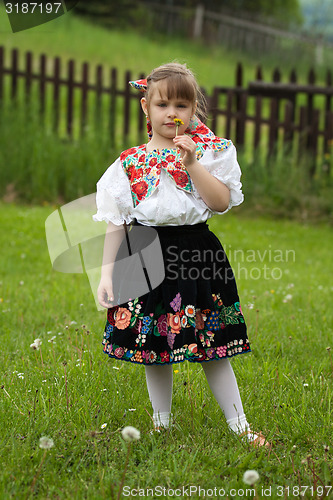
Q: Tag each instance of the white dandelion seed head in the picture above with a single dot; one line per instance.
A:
(130, 433)
(46, 443)
(250, 477)
(36, 344)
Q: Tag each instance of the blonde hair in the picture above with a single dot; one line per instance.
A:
(180, 84)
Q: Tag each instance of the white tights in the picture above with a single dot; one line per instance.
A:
(222, 382)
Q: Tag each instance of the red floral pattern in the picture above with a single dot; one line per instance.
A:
(144, 169)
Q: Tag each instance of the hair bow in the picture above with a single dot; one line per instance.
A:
(139, 84)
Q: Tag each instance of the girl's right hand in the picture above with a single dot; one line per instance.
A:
(105, 293)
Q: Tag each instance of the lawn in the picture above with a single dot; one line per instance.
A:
(68, 389)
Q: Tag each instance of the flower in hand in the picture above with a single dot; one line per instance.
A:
(178, 122)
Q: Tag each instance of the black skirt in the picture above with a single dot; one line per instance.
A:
(186, 309)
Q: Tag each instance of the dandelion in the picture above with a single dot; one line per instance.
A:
(21, 283)
(250, 477)
(287, 298)
(178, 122)
(36, 344)
(175, 371)
(103, 426)
(250, 306)
(130, 433)
(46, 443)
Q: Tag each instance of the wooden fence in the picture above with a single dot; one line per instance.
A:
(259, 115)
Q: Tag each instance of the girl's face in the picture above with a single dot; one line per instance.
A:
(162, 112)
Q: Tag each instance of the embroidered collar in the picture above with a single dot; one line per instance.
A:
(143, 168)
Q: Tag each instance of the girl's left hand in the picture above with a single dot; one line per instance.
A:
(187, 149)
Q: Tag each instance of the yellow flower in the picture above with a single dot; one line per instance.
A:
(178, 122)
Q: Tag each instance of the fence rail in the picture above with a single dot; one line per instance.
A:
(265, 116)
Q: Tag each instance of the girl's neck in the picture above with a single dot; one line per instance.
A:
(160, 144)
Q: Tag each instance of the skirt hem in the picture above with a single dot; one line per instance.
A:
(179, 360)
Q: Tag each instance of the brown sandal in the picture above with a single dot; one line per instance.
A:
(260, 440)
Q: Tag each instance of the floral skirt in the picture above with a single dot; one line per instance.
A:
(193, 313)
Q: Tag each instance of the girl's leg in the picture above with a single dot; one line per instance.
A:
(223, 384)
(159, 385)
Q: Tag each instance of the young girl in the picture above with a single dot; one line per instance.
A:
(174, 184)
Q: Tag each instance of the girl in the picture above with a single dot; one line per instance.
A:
(174, 184)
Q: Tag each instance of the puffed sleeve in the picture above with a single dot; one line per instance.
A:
(113, 197)
(224, 166)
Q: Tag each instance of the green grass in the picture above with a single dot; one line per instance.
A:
(285, 383)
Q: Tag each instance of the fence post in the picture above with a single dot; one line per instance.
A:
(112, 108)
(99, 85)
(198, 21)
(84, 95)
(239, 85)
(127, 106)
(14, 73)
(42, 73)
(70, 87)
(56, 93)
(274, 117)
(258, 111)
(328, 103)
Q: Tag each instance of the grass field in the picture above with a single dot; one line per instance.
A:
(69, 388)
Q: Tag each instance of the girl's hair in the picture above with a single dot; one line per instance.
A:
(181, 84)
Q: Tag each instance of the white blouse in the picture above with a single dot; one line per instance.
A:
(168, 205)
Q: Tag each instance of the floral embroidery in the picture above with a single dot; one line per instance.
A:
(143, 169)
(204, 323)
(123, 317)
(175, 304)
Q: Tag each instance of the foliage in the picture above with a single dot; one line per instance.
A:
(107, 12)
(286, 11)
